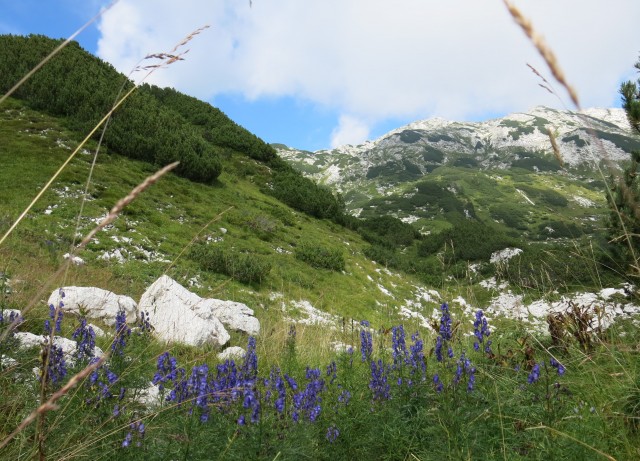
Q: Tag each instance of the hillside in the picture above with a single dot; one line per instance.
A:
(148, 237)
(260, 233)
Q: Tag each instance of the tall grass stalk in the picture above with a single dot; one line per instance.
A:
(550, 59)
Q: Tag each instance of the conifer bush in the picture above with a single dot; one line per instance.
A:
(320, 256)
(243, 267)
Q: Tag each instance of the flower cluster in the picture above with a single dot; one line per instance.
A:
(55, 316)
(122, 333)
(85, 341)
(366, 341)
(239, 390)
(416, 358)
(167, 370)
(103, 380)
(399, 347)
(136, 430)
(445, 333)
(275, 387)
(332, 433)
(465, 367)
(558, 366)
(12, 317)
(144, 324)
(481, 331)
(249, 369)
(378, 382)
(201, 390)
(437, 383)
(534, 376)
(307, 402)
(56, 366)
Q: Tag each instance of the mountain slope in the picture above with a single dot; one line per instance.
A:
(420, 147)
(502, 170)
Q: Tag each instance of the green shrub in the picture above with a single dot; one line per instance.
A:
(387, 231)
(303, 194)
(560, 229)
(468, 240)
(243, 267)
(319, 256)
(543, 267)
(511, 214)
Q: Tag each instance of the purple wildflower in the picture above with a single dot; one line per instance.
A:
(366, 342)
(534, 376)
(85, 341)
(437, 383)
(378, 382)
(167, 370)
(249, 369)
(416, 358)
(332, 370)
(103, 379)
(136, 430)
(56, 315)
(291, 382)
(400, 354)
(332, 433)
(439, 348)
(56, 365)
(558, 366)
(307, 402)
(481, 331)
(143, 324)
(122, 333)
(344, 397)
(445, 323)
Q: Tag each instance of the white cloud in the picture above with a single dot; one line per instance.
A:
(376, 59)
(350, 130)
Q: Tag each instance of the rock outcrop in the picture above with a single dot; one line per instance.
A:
(176, 315)
(95, 303)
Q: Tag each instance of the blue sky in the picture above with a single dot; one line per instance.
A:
(319, 73)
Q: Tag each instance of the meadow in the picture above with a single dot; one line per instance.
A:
(458, 388)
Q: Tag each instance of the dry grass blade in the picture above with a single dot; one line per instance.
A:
(169, 58)
(584, 444)
(544, 50)
(554, 146)
(535, 71)
(56, 51)
(50, 404)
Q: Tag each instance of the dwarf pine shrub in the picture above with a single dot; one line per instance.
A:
(243, 267)
(320, 256)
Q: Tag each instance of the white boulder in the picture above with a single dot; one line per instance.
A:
(150, 396)
(231, 353)
(233, 315)
(175, 317)
(28, 340)
(96, 303)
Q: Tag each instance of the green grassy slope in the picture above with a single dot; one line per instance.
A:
(152, 232)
